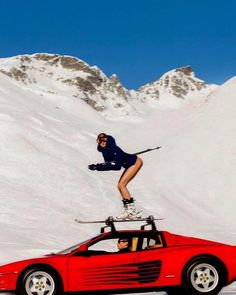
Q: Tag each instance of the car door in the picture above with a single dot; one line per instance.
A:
(150, 258)
(101, 270)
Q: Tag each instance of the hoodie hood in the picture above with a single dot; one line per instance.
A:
(111, 144)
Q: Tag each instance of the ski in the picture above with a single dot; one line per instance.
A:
(112, 219)
(109, 222)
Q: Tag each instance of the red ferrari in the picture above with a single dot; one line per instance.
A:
(126, 261)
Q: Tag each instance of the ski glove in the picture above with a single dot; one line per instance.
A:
(98, 167)
(92, 166)
(101, 167)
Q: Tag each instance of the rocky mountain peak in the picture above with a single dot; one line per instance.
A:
(180, 83)
(187, 70)
(114, 79)
(67, 62)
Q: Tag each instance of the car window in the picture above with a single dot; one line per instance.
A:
(72, 248)
(108, 245)
(153, 242)
(134, 244)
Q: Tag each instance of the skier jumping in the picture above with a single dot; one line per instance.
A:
(115, 158)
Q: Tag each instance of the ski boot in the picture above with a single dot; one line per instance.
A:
(130, 210)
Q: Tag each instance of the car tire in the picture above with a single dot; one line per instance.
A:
(39, 281)
(204, 275)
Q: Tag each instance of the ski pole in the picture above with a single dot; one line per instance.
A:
(147, 150)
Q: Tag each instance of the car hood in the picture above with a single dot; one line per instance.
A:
(18, 266)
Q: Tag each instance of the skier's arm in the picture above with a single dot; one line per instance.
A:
(106, 166)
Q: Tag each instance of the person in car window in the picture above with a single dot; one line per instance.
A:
(123, 245)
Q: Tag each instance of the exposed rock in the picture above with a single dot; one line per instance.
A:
(16, 74)
(82, 84)
(114, 85)
(114, 79)
(185, 70)
(72, 63)
(46, 57)
(179, 82)
(95, 80)
(93, 103)
(199, 84)
(25, 59)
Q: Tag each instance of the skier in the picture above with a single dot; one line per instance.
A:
(115, 158)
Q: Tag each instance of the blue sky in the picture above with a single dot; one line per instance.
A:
(136, 39)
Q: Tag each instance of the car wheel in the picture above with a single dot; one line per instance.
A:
(38, 282)
(204, 276)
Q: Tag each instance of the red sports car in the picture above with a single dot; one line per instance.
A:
(123, 261)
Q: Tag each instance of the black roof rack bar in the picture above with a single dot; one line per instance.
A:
(150, 220)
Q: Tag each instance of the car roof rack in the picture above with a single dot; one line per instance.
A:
(109, 222)
(150, 220)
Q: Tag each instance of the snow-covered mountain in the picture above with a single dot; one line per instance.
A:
(180, 83)
(48, 139)
(52, 74)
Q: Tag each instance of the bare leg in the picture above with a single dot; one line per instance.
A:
(126, 177)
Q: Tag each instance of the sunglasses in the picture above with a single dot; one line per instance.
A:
(102, 139)
(122, 241)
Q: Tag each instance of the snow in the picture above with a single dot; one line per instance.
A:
(47, 141)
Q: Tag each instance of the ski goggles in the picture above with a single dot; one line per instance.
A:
(101, 138)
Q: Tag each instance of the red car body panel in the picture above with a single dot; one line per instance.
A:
(9, 273)
(143, 269)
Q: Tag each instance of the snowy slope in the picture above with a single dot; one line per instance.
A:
(48, 140)
(196, 167)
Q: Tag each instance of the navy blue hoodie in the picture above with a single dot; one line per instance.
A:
(114, 157)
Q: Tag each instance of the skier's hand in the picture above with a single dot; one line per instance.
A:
(100, 167)
(92, 166)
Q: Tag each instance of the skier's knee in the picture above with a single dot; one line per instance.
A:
(120, 185)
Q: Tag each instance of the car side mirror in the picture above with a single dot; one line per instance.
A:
(83, 251)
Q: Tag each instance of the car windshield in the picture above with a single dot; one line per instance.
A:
(72, 248)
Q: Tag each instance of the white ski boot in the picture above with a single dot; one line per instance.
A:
(130, 211)
(123, 215)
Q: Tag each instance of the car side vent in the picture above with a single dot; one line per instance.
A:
(149, 271)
